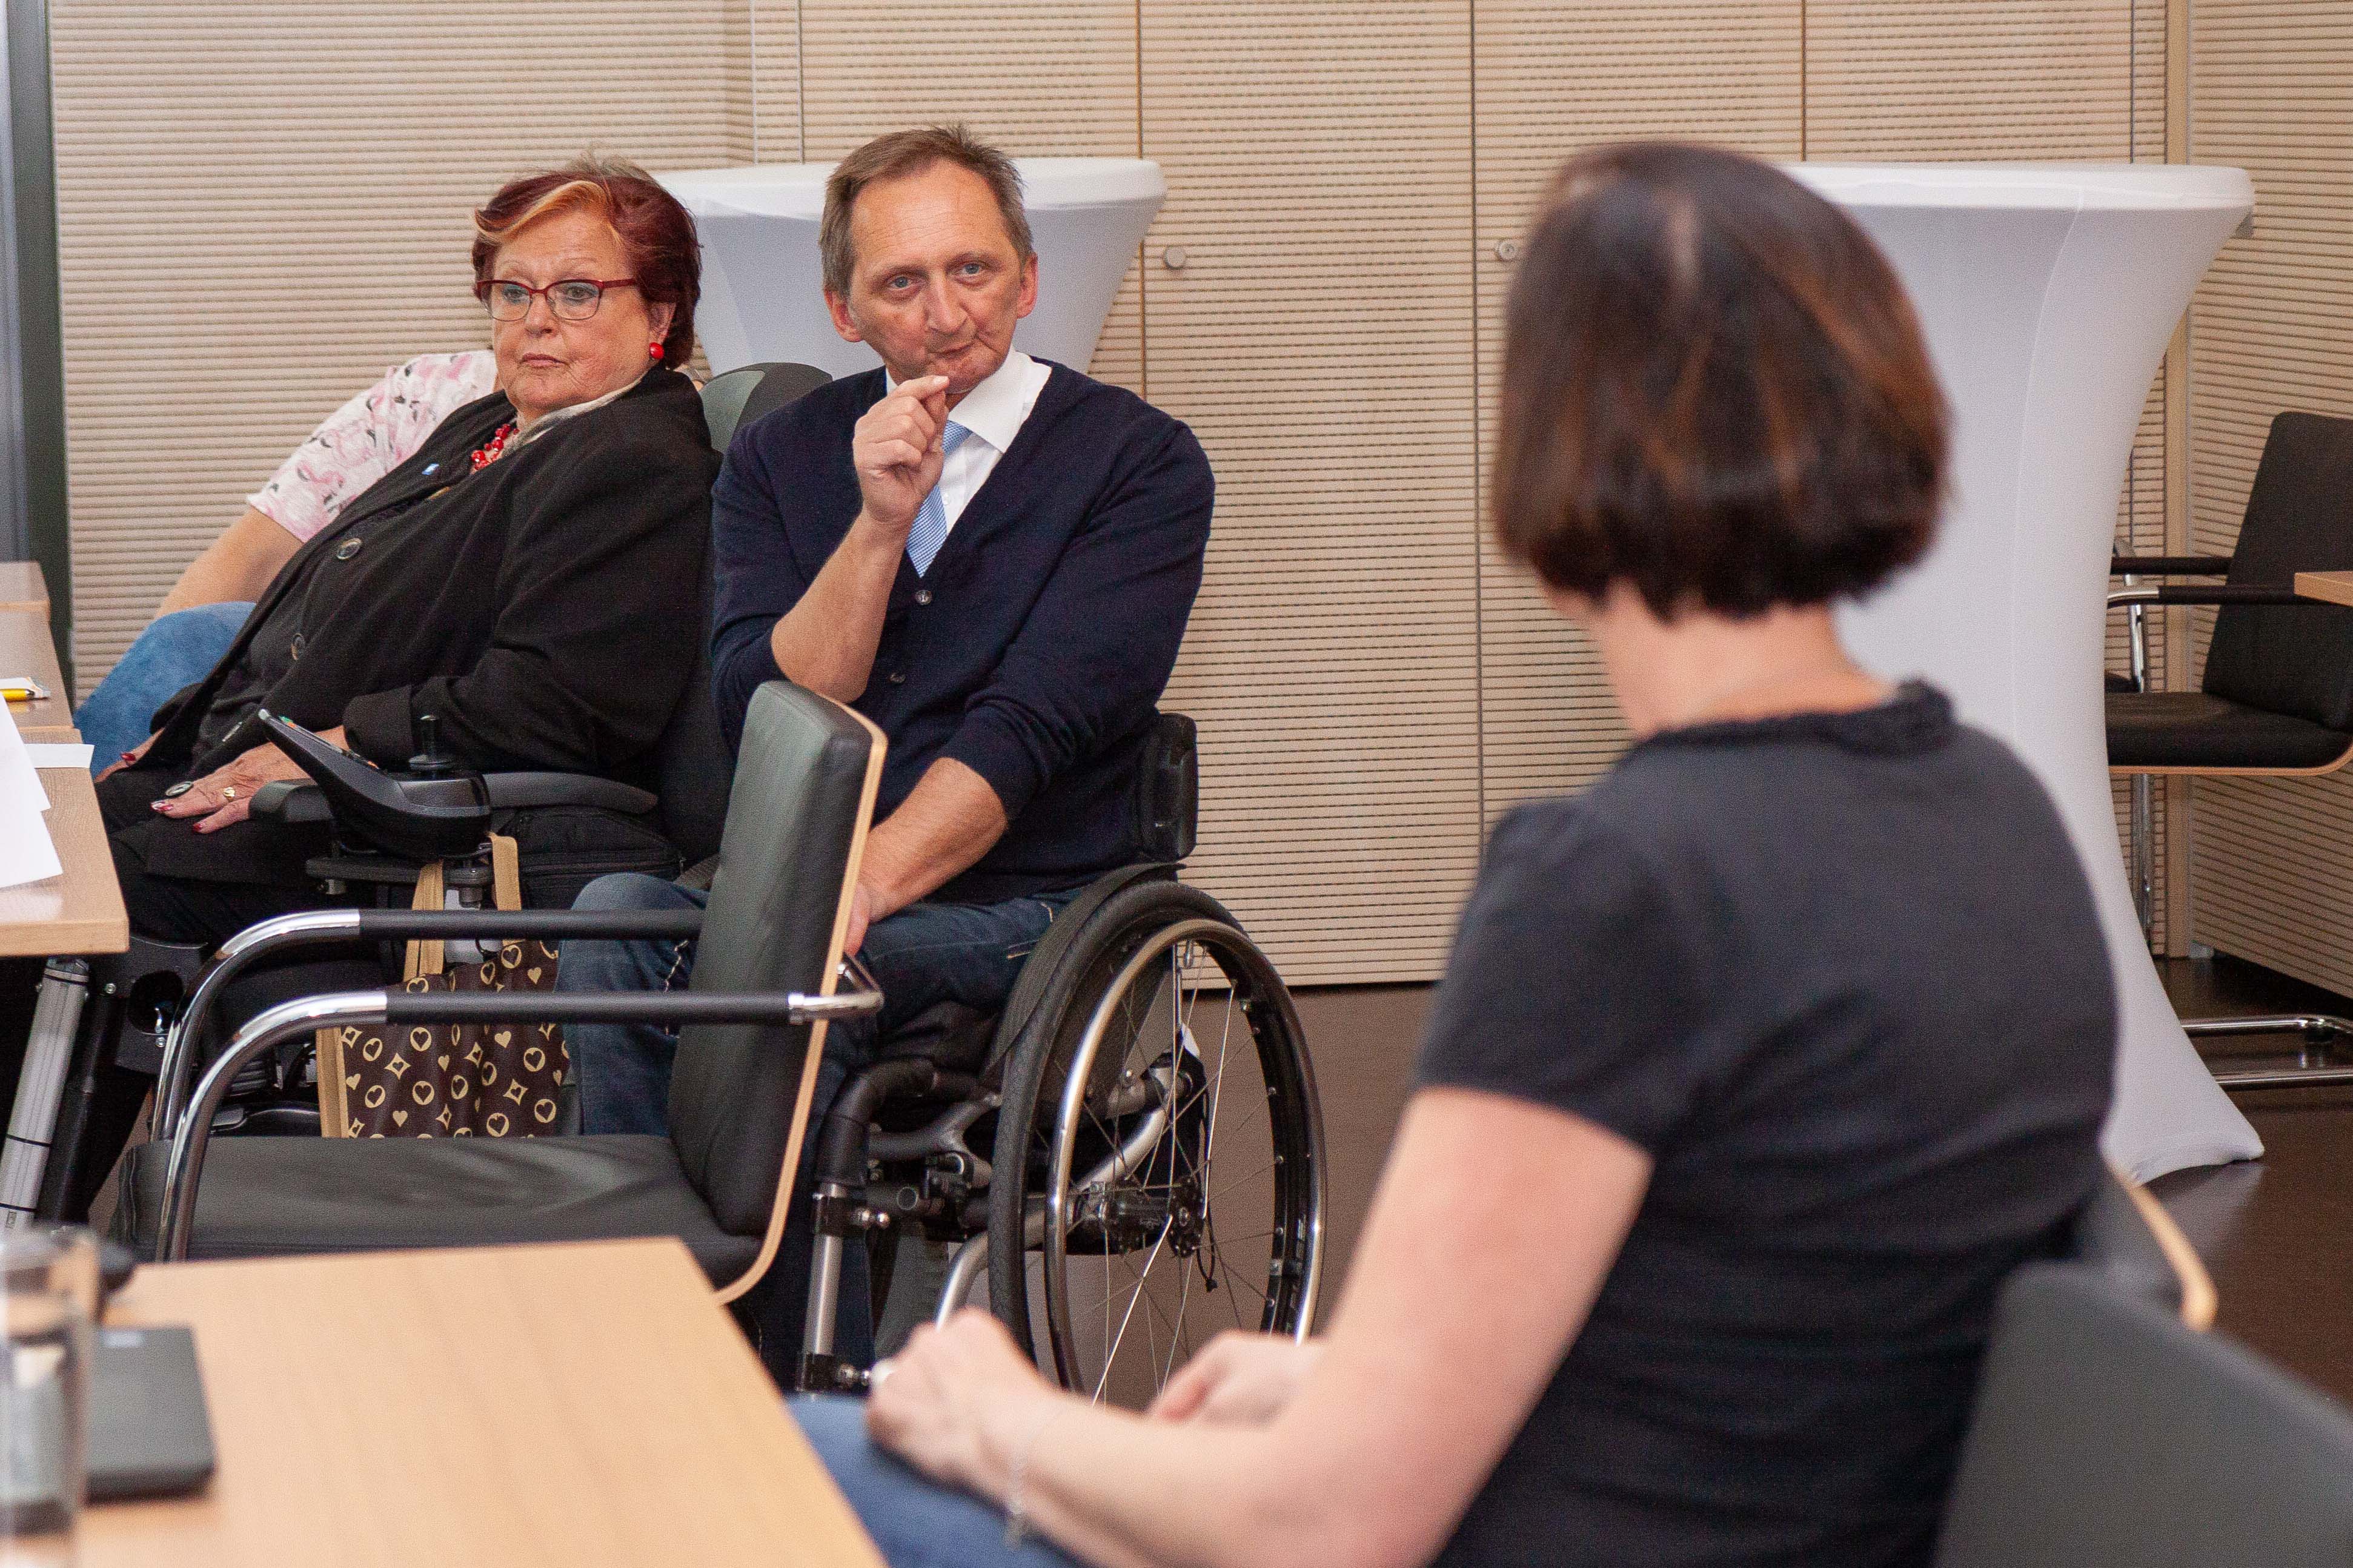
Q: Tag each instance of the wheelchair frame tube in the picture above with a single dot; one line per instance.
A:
(317, 927)
(266, 1030)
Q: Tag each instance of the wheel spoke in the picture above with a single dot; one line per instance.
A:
(1237, 1181)
(1112, 1354)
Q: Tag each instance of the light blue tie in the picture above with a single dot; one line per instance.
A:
(931, 529)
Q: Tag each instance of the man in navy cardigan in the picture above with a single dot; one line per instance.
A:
(989, 556)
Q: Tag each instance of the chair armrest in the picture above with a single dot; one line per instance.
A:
(292, 802)
(291, 1020)
(513, 792)
(295, 802)
(2216, 593)
(2168, 565)
(311, 928)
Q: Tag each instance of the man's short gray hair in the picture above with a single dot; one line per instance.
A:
(898, 153)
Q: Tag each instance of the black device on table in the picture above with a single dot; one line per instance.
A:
(150, 1434)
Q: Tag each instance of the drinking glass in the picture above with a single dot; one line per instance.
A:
(48, 1296)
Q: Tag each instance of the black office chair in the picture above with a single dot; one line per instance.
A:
(2277, 698)
(2106, 1434)
(752, 1028)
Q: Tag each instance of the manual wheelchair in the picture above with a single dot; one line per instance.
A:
(1129, 1156)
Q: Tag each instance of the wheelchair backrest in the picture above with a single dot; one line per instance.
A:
(691, 763)
(797, 817)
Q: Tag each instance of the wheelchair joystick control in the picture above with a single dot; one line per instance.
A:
(431, 762)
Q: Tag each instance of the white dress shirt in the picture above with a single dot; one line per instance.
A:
(994, 412)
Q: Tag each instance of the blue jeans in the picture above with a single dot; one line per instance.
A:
(924, 954)
(916, 1523)
(176, 651)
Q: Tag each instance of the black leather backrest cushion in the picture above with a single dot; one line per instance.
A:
(2113, 1238)
(801, 788)
(2107, 1435)
(2293, 659)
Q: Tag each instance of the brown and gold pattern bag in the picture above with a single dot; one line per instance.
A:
(450, 1081)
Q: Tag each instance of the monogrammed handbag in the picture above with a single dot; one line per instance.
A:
(450, 1081)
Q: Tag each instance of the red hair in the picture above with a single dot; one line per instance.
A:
(655, 233)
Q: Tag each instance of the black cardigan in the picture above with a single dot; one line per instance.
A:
(542, 609)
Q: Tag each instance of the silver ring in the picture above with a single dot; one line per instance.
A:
(882, 1370)
(228, 792)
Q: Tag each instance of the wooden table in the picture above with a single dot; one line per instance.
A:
(79, 911)
(25, 650)
(570, 1406)
(2337, 587)
(22, 587)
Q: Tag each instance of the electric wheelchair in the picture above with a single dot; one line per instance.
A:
(1129, 1156)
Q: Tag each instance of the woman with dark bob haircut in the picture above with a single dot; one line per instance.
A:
(523, 577)
(1754, 1069)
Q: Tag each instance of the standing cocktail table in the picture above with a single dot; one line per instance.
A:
(2048, 293)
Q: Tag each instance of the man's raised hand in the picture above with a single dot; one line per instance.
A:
(897, 453)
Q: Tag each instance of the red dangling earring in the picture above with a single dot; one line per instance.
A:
(654, 349)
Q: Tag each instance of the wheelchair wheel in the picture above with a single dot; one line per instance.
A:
(1159, 1153)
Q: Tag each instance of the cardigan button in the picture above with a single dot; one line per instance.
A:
(348, 548)
(923, 595)
(898, 678)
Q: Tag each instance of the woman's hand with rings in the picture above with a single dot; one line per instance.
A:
(225, 796)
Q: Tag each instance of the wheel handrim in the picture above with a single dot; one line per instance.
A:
(1150, 1211)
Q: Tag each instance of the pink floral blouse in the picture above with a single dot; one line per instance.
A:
(369, 436)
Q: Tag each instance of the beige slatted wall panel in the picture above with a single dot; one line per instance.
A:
(1038, 77)
(1554, 79)
(775, 60)
(263, 204)
(2272, 860)
(1969, 79)
(2140, 511)
(1319, 341)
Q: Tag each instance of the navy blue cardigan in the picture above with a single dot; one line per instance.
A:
(1034, 649)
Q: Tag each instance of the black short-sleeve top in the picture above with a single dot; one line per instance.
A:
(1841, 977)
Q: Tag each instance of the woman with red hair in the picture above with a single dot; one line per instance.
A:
(522, 577)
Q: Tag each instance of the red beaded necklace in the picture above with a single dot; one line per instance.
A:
(498, 445)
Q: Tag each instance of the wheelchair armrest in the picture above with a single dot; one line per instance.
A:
(2168, 565)
(292, 802)
(513, 792)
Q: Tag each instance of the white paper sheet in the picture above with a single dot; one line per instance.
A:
(27, 855)
(57, 754)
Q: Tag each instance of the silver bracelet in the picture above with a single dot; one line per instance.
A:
(1017, 1518)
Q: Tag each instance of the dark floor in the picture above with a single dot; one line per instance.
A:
(2277, 1233)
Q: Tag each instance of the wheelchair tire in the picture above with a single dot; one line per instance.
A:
(1119, 1242)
